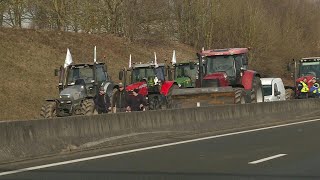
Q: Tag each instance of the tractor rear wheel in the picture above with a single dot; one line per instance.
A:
(257, 91)
(169, 96)
(48, 110)
(240, 96)
(87, 107)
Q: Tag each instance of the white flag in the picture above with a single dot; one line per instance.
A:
(130, 61)
(174, 59)
(95, 54)
(155, 60)
(68, 59)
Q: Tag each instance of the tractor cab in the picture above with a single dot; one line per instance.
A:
(149, 73)
(223, 67)
(88, 75)
(186, 74)
(309, 67)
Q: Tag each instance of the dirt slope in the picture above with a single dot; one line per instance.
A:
(28, 59)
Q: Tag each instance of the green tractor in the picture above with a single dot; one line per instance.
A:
(78, 84)
(186, 74)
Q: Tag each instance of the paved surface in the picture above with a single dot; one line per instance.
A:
(291, 152)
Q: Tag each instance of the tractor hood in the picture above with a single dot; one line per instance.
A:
(142, 86)
(221, 77)
(183, 81)
(73, 93)
(301, 78)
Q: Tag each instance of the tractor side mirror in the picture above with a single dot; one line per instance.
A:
(121, 74)
(191, 65)
(56, 72)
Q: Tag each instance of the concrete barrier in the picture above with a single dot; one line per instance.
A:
(35, 138)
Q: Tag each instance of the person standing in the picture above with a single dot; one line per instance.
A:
(303, 88)
(315, 90)
(119, 99)
(136, 102)
(102, 102)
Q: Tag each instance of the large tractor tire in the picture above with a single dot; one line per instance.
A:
(87, 107)
(240, 96)
(169, 96)
(256, 94)
(154, 102)
(48, 110)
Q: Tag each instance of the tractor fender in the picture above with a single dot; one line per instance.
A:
(142, 86)
(166, 87)
(108, 88)
(247, 79)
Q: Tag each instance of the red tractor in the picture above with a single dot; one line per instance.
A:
(304, 68)
(152, 81)
(223, 79)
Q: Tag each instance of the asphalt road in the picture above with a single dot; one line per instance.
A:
(290, 152)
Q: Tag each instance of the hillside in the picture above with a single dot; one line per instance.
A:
(28, 59)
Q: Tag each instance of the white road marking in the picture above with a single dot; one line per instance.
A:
(147, 148)
(267, 159)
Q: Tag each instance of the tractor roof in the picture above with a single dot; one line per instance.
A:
(185, 63)
(146, 65)
(221, 52)
(84, 64)
(310, 59)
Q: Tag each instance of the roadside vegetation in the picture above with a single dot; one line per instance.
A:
(35, 34)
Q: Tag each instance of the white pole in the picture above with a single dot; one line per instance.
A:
(174, 59)
(95, 54)
(155, 60)
(130, 61)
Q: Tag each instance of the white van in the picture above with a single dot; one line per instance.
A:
(273, 89)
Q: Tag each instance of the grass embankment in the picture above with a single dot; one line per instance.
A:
(28, 59)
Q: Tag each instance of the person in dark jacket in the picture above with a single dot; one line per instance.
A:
(120, 99)
(136, 102)
(102, 102)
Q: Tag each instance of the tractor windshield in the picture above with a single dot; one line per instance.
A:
(220, 64)
(83, 72)
(184, 70)
(310, 68)
(147, 73)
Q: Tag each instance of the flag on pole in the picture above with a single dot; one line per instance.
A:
(68, 59)
(155, 60)
(95, 54)
(174, 59)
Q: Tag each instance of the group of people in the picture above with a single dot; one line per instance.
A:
(309, 88)
(121, 101)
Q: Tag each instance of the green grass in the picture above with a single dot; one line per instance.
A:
(28, 59)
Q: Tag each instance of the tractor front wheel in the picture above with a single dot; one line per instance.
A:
(256, 93)
(87, 107)
(48, 110)
(240, 96)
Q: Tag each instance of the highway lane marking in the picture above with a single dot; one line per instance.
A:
(148, 148)
(267, 159)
